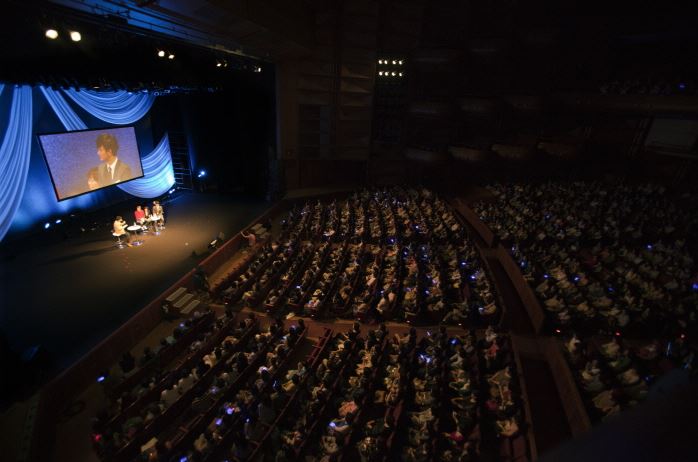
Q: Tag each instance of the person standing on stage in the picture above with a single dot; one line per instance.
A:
(120, 229)
(139, 215)
(159, 212)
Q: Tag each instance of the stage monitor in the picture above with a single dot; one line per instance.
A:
(84, 161)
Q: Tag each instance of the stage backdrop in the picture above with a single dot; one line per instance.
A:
(27, 198)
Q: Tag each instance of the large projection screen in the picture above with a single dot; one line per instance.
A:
(84, 161)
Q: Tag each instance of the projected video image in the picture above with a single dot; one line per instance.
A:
(84, 161)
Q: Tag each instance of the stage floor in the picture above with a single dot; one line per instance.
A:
(69, 295)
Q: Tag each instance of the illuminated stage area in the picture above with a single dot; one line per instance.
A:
(69, 295)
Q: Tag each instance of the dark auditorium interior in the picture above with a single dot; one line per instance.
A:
(366, 230)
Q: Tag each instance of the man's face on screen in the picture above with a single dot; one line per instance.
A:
(103, 154)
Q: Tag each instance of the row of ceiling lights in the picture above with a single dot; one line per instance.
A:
(75, 36)
(397, 62)
(52, 34)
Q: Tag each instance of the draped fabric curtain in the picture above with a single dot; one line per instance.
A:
(15, 152)
(157, 165)
(70, 120)
(114, 107)
(158, 170)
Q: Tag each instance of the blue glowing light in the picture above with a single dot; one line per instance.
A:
(230, 411)
(183, 459)
(649, 246)
(576, 279)
(472, 277)
(682, 86)
(333, 425)
(219, 422)
(546, 276)
(454, 341)
(47, 225)
(695, 286)
(101, 379)
(59, 221)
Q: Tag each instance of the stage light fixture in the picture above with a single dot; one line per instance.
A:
(171, 56)
(59, 221)
(75, 36)
(400, 62)
(219, 64)
(51, 34)
(161, 53)
(47, 225)
(257, 69)
(400, 74)
(393, 74)
(380, 72)
(394, 62)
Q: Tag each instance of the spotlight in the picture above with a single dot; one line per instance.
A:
(393, 74)
(47, 225)
(400, 74)
(75, 36)
(219, 64)
(380, 72)
(400, 62)
(394, 62)
(380, 61)
(161, 53)
(257, 69)
(51, 34)
(171, 56)
(59, 221)
(202, 173)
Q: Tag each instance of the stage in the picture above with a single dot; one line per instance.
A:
(68, 295)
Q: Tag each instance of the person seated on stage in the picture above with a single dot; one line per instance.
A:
(251, 238)
(159, 212)
(120, 230)
(139, 215)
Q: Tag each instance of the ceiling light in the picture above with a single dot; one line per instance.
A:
(219, 64)
(170, 56)
(400, 62)
(161, 53)
(51, 34)
(75, 36)
(400, 74)
(392, 73)
(380, 72)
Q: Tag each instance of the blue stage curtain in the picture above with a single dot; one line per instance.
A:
(114, 107)
(15, 152)
(157, 166)
(159, 173)
(70, 120)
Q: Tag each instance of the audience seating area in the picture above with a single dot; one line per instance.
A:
(384, 254)
(613, 266)
(243, 390)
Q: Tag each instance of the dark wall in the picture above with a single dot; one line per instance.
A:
(230, 133)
